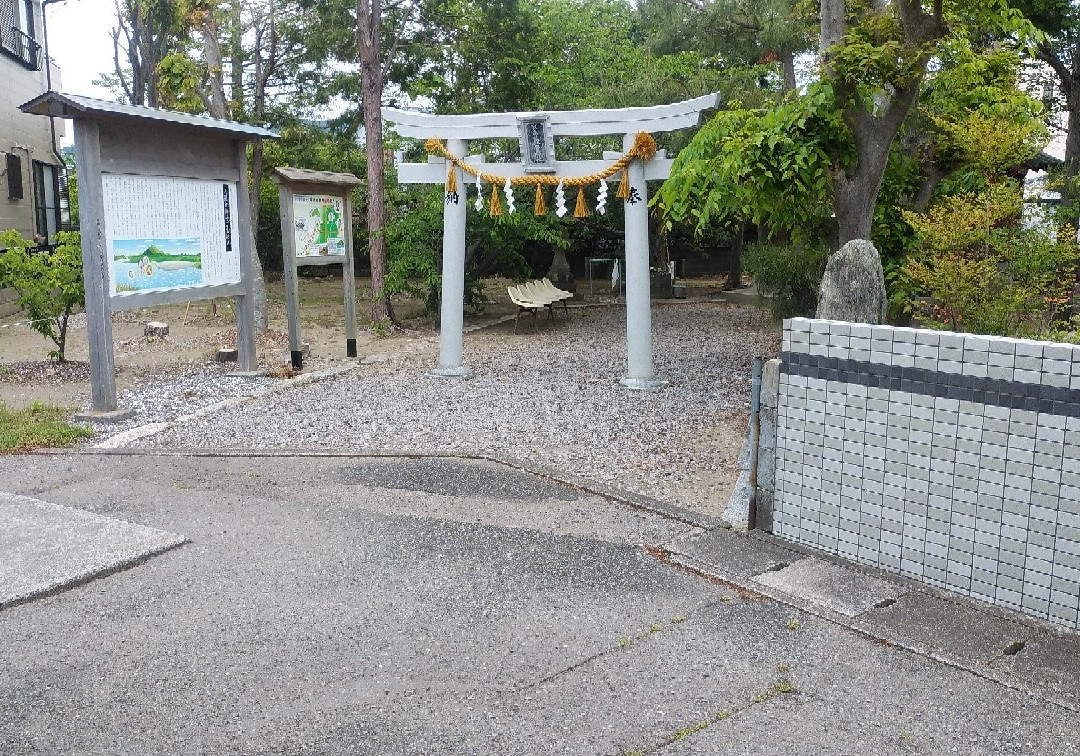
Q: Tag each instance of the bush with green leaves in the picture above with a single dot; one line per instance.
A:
(49, 284)
(494, 246)
(789, 273)
(980, 271)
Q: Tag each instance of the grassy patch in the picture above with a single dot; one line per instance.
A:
(35, 426)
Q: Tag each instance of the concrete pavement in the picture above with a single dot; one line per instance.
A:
(348, 605)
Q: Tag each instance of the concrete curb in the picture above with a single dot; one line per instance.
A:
(860, 627)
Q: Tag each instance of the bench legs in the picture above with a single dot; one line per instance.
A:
(517, 318)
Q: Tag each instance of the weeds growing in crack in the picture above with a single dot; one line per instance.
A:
(690, 730)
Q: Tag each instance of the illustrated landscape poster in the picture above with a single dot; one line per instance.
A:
(166, 233)
(318, 225)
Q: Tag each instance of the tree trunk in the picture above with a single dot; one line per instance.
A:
(211, 33)
(735, 263)
(833, 24)
(933, 175)
(1070, 193)
(856, 192)
(218, 106)
(368, 33)
(236, 58)
(854, 205)
(787, 60)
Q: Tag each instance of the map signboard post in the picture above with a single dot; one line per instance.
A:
(316, 229)
(165, 218)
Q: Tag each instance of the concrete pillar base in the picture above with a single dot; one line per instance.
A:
(461, 372)
(109, 416)
(643, 384)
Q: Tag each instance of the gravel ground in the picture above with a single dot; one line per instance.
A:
(164, 398)
(551, 398)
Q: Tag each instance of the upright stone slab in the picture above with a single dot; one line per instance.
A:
(853, 287)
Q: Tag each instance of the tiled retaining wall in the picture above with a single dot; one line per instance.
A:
(949, 458)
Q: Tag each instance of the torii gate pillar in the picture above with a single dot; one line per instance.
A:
(639, 351)
(452, 312)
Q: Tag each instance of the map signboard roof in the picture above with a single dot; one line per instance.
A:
(308, 176)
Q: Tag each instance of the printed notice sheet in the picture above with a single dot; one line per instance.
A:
(164, 233)
(317, 225)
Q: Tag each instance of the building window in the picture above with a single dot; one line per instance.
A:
(13, 168)
(17, 37)
(46, 201)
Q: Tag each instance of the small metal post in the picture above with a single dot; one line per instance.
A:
(755, 430)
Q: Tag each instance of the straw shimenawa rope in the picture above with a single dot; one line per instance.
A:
(644, 147)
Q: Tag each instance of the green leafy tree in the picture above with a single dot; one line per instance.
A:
(49, 285)
(146, 33)
(1059, 49)
(876, 55)
(767, 166)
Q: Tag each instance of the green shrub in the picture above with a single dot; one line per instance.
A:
(49, 285)
(980, 271)
(494, 246)
(789, 273)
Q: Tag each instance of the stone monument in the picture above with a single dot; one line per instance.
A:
(853, 287)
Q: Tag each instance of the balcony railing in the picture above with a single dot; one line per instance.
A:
(21, 46)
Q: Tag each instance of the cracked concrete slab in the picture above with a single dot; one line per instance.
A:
(47, 547)
(843, 590)
(399, 621)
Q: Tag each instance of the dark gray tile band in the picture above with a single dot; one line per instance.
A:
(1034, 397)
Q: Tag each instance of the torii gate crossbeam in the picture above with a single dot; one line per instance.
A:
(626, 121)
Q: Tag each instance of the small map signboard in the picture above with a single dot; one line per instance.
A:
(316, 229)
(318, 225)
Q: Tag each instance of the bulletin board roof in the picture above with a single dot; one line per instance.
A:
(61, 105)
(307, 176)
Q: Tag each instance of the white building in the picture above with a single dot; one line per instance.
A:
(30, 168)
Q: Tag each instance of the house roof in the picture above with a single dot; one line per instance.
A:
(61, 105)
(1043, 161)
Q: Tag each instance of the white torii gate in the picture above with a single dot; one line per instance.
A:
(458, 129)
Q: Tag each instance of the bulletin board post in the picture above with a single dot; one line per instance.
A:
(316, 229)
(165, 219)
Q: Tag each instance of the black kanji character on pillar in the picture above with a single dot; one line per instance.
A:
(451, 198)
(634, 197)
